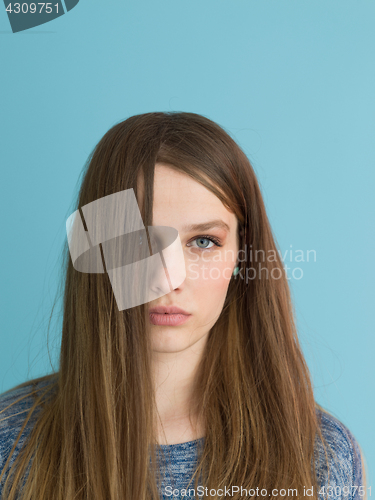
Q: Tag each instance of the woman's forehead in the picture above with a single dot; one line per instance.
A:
(183, 201)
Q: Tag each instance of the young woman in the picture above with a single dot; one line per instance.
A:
(202, 391)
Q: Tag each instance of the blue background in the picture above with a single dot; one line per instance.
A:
(292, 81)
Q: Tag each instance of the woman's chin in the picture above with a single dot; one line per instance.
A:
(173, 341)
(167, 345)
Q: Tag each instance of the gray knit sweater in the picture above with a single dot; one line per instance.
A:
(345, 481)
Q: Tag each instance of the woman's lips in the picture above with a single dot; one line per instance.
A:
(168, 319)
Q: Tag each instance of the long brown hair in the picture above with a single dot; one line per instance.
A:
(93, 436)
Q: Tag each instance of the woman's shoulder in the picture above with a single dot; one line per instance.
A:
(345, 475)
(14, 408)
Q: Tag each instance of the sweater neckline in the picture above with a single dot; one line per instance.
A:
(186, 444)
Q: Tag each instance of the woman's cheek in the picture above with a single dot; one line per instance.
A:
(207, 270)
(220, 274)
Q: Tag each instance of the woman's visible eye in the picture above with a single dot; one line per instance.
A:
(203, 240)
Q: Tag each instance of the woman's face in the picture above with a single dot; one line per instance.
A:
(180, 201)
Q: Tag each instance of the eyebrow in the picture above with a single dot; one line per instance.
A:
(204, 226)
